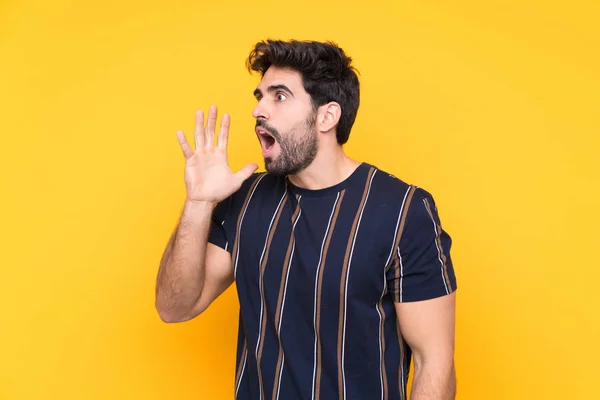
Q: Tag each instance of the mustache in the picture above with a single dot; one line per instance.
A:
(263, 124)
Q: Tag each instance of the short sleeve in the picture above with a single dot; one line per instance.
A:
(224, 221)
(217, 234)
(422, 268)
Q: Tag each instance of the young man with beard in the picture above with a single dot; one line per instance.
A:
(342, 270)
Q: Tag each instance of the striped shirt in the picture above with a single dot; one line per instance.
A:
(317, 275)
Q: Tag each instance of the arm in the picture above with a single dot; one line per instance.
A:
(192, 272)
(423, 285)
(428, 328)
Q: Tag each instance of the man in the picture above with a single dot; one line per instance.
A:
(343, 271)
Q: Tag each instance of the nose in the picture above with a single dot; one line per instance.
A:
(260, 111)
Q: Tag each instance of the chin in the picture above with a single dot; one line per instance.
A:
(271, 167)
(268, 163)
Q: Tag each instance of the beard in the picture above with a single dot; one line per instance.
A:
(298, 147)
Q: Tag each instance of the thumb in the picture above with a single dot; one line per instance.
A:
(245, 172)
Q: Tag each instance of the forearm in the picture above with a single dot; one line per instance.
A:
(434, 381)
(181, 272)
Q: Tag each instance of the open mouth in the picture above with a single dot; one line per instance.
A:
(267, 140)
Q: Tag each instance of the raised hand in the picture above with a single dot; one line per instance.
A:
(208, 177)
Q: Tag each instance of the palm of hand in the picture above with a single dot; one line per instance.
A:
(208, 177)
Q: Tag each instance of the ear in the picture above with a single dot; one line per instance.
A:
(328, 116)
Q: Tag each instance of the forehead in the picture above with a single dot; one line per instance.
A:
(282, 76)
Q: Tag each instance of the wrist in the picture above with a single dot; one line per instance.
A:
(199, 205)
(197, 211)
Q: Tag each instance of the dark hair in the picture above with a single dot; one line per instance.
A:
(327, 74)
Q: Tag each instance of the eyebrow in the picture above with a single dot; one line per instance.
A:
(273, 88)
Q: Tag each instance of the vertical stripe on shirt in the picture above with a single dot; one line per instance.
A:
(236, 248)
(318, 287)
(281, 299)
(398, 280)
(263, 264)
(382, 371)
(399, 263)
(380, 310)
(396, 237)
(241, 367)
(226, 241)
(441, 256)
(344, 284)
(235, 255)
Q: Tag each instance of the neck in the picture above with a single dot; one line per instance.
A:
(330, 167)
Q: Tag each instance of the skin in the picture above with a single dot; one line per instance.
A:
(428, 328)
(193, 273)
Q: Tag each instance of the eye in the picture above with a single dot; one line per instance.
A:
(280, 96)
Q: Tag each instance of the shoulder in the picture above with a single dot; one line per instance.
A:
(391, 188)
(259, 182)
(255, 189)
(388, 182)
(395, 194)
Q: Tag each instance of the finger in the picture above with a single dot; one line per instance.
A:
(224, 132)
(199, 129)
(210, 126)
(245, 173)
(185, 146)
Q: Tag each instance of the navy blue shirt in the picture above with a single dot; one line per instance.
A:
(317, 275)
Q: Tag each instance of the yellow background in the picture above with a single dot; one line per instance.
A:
(493, 106)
